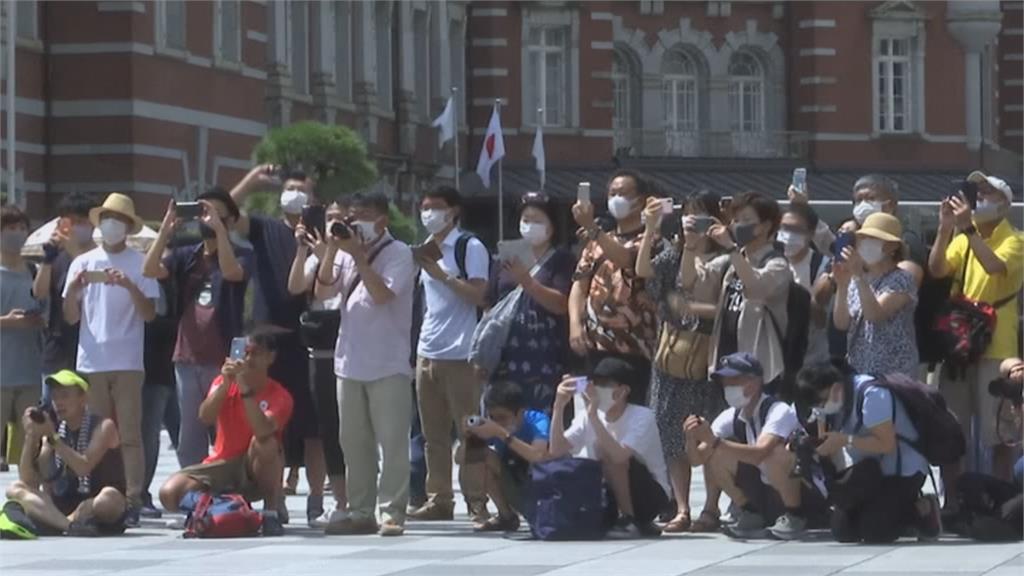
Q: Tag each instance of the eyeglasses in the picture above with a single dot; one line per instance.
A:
(534, 198)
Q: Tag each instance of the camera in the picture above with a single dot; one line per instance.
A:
(38, 414)
(341, 230)
(1007, 389)
(474, 420)
(807, 460)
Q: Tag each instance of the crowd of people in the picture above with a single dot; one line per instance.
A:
(734, 334)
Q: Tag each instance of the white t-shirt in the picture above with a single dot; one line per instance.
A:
(780, 421)
(111, 333)
(635, 429)
(448, 319)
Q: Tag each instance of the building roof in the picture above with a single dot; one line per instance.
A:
(833, 185)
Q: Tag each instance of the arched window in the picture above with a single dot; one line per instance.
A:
(625, 98)
(746, 93)
(679, 92)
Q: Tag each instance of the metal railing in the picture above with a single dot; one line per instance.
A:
(704, 144)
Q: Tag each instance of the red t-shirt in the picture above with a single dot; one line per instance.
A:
(233, 431)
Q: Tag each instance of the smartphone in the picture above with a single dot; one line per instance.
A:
(968, 189)
(583, 193)
(701, 224)
(509, 250)
(667, 206)
(427, 251)
(314, 218)
(238, 346)
(842, 241)
(95, 276)
(188, 210)
(800, 179)
(581, 384)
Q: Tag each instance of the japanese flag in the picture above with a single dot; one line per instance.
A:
(446, 122)
(492, 150)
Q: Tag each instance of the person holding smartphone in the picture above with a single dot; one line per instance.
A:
(21, 322)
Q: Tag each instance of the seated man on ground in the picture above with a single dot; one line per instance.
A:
(71, 474)
(518, 437)
(745, 451)
(623, 437)
(251, 411)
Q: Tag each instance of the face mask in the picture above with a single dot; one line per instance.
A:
(12, 241)
(734, 397)
(619, 207)
(367, 231)
(988, 211)
(434, 220)
(534, 232)
(744, 233)
(605, 398)
(864, 209)
(81, 233)
(870, 250)
(832, 407)
(293, 201)
(792, 242)
(113, 231)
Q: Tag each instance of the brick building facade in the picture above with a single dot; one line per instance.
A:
(165, 98)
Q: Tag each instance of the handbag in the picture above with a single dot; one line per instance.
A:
(965, 326)
(491, 332)
(683, 353)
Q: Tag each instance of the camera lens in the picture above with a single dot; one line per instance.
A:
(339, 230)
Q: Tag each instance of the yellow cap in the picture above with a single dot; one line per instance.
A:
(67, 378)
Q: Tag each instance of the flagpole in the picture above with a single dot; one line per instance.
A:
(501, 195)
(455, 121)
(540, 122)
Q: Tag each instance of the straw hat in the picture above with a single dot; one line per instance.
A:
(119, 204)
(883, 227)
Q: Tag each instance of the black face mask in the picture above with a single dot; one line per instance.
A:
(743, 234)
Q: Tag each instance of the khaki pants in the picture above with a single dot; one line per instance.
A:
(118, 395)
(13, 403)
(448, 392)
(376, 414)
(977, 411)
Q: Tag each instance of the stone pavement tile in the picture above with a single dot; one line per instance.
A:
(405, 554)
(342, 566)
(456, 541)
(304, 551)
(803, 569)
(936, 558)
(798, 557)
(87, 564)
(20, 572)
(546, 553)
(611, 566)
(447, 569)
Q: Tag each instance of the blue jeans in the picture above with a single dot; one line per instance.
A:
(154, 406)
(193, 382)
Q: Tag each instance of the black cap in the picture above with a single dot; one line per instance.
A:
(615, 369)
(738, 364)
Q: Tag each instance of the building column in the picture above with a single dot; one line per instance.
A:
(278, 72)
(364, 74)
(405, 112)
(974, 24)
(322, 62)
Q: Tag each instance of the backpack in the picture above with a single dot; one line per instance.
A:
(568, 499)
(737, 424)
(220, 516)
(940, 439)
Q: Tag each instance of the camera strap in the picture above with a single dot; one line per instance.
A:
(359, 279)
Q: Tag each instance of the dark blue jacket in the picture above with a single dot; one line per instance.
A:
(228, 297)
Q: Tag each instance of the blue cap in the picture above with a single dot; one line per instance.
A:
(738, 364)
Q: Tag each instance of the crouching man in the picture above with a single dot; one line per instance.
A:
(624, 437)
(71, 475)
(518, 437)
(250, 411)
(745, 451)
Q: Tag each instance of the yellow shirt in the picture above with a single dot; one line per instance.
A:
(1008, 245)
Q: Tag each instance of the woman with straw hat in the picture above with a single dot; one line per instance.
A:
(877, 311)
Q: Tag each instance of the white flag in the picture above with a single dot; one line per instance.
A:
(446, 122)
(492, 150)
(538, 153)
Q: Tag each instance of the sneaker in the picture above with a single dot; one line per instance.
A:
(433, 512)
(478, 512)
(789, 527)
(629, 529)
(498, 524)
(729, 518)
(79, 529)
(15, 523)
(272, 524)
(349, 526)
(930, 523)
(151, 512)
(391, 528)
(746, 525)
(176, 523)
(314, 508)
(326, 518)
(131, 517)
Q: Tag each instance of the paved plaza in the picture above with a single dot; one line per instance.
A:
(450, 549)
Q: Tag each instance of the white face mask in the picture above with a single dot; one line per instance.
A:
(734, 397)
(293, 200)
(870, 250)
(619, 207)
(792, 242)
(988, 211)
(367, 231)
(605, 398)
(113, 231)
(864, 209)
(434, 220)
(534, 232)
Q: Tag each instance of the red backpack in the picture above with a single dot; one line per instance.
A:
(221, 516)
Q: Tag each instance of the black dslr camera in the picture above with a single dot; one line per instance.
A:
(1007, 389)
(805, 447)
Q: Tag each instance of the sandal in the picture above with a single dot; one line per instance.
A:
(681, 523)
(707, 522)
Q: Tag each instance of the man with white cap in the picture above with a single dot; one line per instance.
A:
(984, 254)
(110, 299)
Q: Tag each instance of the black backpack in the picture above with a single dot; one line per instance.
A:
(766, 407)
(940, 438)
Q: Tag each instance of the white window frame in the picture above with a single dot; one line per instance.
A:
(884, 70)
(740, 87)
(160, 14)
(900, 27)
(671, 85)
(300, 86)
(383, 75)
(218, 32)
(534, 88)
(622, 116)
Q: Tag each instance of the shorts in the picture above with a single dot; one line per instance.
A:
(768, 503)
(68, 504)
(649, 498)
(226, 476)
